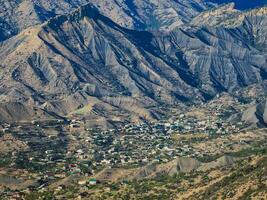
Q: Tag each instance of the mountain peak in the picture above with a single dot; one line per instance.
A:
(87, 10)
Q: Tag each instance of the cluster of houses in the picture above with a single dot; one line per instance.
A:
(129, 146)
(133, 144)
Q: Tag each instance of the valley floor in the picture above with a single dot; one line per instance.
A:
(195, 154)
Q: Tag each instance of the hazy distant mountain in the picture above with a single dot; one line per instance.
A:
(135, 14)
(242, 5)
(85, 64)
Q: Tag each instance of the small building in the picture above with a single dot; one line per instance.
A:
(82, 182)
(92, 181)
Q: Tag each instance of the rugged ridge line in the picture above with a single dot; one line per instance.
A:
(84, 64)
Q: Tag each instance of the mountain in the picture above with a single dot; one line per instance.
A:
(85, 64)
(222, 55)
(16, 15)
(243, 5)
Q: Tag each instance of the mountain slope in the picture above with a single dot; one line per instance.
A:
(220, 57)
(85, 64)
(75, 59)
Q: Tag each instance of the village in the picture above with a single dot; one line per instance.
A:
(54, 150)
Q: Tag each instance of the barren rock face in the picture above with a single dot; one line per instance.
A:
(256, 114)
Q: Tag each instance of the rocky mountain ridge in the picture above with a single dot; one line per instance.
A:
(85, 64)
(227, 16)
(17, 15)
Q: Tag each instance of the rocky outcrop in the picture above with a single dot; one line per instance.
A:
(256, 115)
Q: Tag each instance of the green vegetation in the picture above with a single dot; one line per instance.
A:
(5, 160)
(208, 158)
(259, 148)
(162, 187)
(228, 112)
(39, 195)
(243, 172)
(244, 99)
(23, 162)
